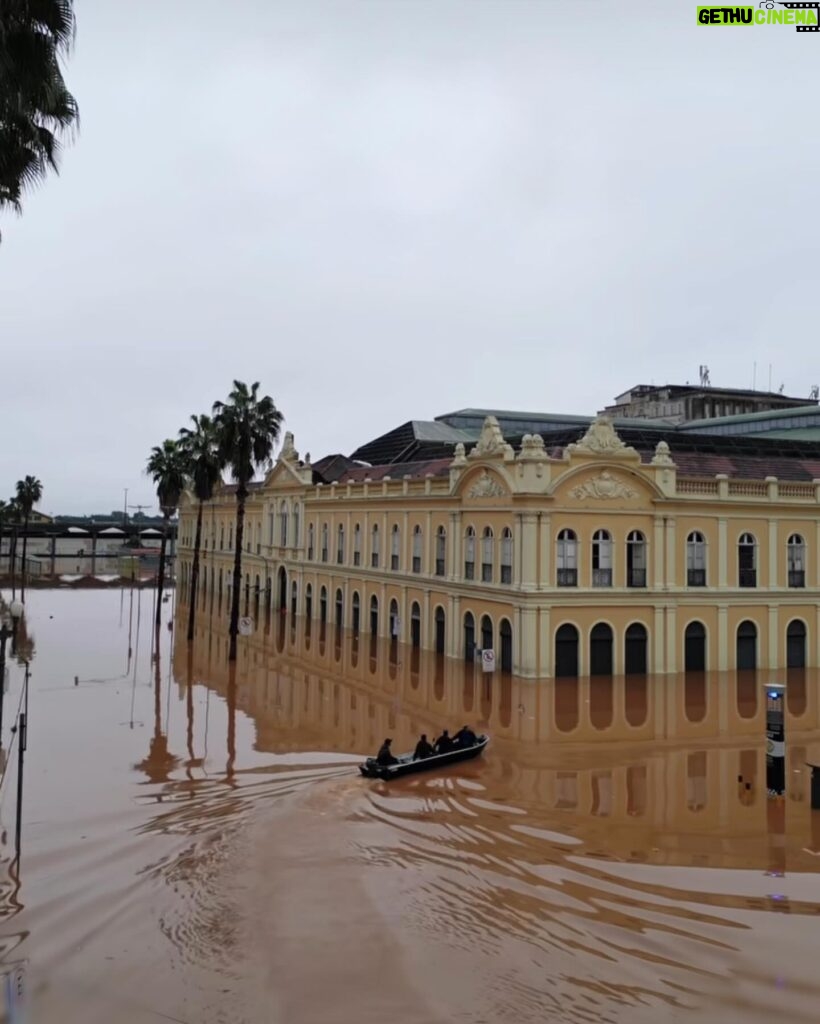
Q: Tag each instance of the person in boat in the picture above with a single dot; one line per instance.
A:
(444, 744)
(423, 748)
(465, 737)
(385, 754)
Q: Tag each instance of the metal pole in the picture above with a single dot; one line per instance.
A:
(4, 633)
(21, 749)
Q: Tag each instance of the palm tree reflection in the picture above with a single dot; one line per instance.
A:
(160, 762)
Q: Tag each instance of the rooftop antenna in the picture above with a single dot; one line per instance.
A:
(815, 392)
(703, 371)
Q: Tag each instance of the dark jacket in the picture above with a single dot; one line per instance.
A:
(466, 738)
(385, 756)
(444, 744)
(423, 749)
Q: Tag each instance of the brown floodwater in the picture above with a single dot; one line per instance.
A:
(198, 845)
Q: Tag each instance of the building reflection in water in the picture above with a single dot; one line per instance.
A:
(681, 759)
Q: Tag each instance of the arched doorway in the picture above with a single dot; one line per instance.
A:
(796, 644)
(505, 635)
(415, 625)
(469, 637)
(635, 650)
(339, 608)
(257, 593)
(308, 602)
(323, 605)
(486, 633)
(600, 650)
(393, 619)
(356, 612)
(746, 646)
(694, 648)
(566, 651)
(247, 593)
(283, 589)
(268, 592)
(440, 624)
(374, 616)
(293, 599)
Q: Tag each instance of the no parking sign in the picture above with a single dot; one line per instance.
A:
(488, 661)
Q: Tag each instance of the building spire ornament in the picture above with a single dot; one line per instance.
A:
(288, 452)
(600, 439)
(490, 441)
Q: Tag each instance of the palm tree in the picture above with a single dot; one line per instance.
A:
(201, 448)
(29, 493)
(166, 467)
(35, 106)
(248, 429)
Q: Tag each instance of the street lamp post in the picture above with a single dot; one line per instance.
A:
(5, 633)
(16, 612)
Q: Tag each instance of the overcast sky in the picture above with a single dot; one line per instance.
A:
(391, 210)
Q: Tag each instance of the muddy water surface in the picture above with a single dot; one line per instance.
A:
(198, 845)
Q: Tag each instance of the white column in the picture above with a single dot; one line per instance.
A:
(671, 654)
(545, 580)
(723, 553)
(658, 646)
(774, 637)
(546, 668)
(525, 661)
(671, 561)
(453, 566)
(455, 627)
(772, 581)
(722, 640)
(425, 622)
(428, 553)
(526, 544)
(658, 559)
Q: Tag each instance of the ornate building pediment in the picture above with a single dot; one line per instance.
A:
(602, 487)
(600, 439)
(486, 485)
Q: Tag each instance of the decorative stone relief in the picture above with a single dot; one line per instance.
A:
(532, 447)
(603, 486)
(491, 440)
(458, 458)
(662, 456)
(600, 439)
(486, 487)
(288, 453)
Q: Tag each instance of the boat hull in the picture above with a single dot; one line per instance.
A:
(407, 766)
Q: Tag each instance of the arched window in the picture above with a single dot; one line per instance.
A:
(415, 624)
(566, 651)
(695, 560)
(601, 559)
(417, 541)
(296, 525)
(283, 524)
(393, 618)
(506, 644)
(323, 605)
(395, 546)
(636, 559)
(747, 561)
(796, 644)
(357, 545)
(324, 542)
(486, 633)
(339, 608)
(635, 650)
(797, 561)
(600, 650)
(356, 613)
(340, 544)
(308, 601)
(469, 637)
(441, 551)
(469, 554)
(374, 615)
(746, 646)
(694, 648)
(487, 555)
(440, 621)
(374, 547)
(294, 598)
(311, 542)
(567, 560)
(506, 556)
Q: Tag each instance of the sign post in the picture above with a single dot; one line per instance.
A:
(488, 660)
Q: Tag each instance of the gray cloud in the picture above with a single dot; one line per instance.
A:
(391, 210)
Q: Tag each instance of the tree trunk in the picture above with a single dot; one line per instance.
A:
(23, 573)
(241, 495)
(161, 574)
(13, 557)
(195, 573)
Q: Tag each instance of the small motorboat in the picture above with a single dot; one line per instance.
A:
(407, 766)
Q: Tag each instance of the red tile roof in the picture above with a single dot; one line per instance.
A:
(398, 470)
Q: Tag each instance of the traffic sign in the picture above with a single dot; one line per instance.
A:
(488, 660)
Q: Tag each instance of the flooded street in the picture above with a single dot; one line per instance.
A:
(198, 845)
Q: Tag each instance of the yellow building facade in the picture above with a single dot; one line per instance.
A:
(590, 560)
